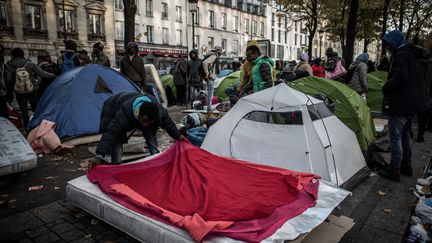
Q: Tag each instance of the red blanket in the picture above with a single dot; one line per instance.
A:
(204, 193)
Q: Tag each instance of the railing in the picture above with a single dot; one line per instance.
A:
(96, 37)
(70, 35)
(34, 33)
(6, 30)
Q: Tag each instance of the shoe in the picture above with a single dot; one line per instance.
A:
(406, 171)
(391, 174)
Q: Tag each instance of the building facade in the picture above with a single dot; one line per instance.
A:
(38, 26)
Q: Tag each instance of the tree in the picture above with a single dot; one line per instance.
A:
(348, 52)
(384, 25)
(130, 9)
(307, 11)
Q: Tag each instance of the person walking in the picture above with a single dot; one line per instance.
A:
(403, 99)
(317, 68)
(358, 80)
(211, 69)
(98, 56)
(132, 66)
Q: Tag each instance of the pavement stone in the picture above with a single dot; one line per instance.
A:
(49, 212)
(38, 231)
(63, 227)
(72, 235)
(16, 224)
(373, 234)
(48, 237)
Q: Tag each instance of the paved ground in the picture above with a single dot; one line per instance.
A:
(47, 216)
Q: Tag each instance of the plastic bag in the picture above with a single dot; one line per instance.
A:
(424, 210)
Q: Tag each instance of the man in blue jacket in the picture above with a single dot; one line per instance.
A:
(403, 98)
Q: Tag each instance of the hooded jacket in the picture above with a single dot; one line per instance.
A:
(134, 69)
(403, 91)
(262, 73)
(31, 68)
(193, 75)
(358, 81)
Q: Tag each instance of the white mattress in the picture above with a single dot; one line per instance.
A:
(16, 154)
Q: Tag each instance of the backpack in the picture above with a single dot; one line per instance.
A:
(330, 65)
(68, 63)
(201, 71)
(23, 82)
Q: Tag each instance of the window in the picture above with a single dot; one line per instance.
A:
(164, 10)
(149, 34)
(149, 7)
(33, 17)
(197, 42)
(95, 24)
(272, 35)
(211, 19)
(179, 14)
(286, 37)
(280, 52)
(281, 118)
(179, 37)
(119, 30)
(262, 28)
(197, 17)
(210, 42)
(165, 36)
(295, 39)
(235, 27)
(279, 36)
(224, 21)
(224, 45)
(137, 29)
(301, 39)
(118, 4)
(254, 27)
(247, 25)
(4, 15)
(69, 20)
(295, 26)
(273, 19)
(235, 45)
(286, 22)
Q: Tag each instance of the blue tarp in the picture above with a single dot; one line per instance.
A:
(196, 135)
(74, 100)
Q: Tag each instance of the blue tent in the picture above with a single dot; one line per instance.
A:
(74, 100)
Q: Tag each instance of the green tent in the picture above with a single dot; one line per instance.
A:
(228, 82)
(349, 106)
(375, 81)
(167, 80)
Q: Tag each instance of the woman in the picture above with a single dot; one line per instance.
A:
(358, 81)
(304, 65)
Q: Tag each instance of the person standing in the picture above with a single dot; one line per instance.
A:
(21, 74)
(317, 68)
(303, 65)
(179, 78)
(6, 93)
(193, 77)
(403, 99)
(48, 66)
(262, 71)
(69, 59)
(132, 66)
(211, 69)
(358, 81)
(99, 57)
(83, 58)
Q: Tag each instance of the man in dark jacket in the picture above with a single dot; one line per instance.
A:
(69, 59)
(403, 98)
(193, 76)
(99, 57)
(179, 78)
(125, 112)
(48, 66)
(132, 66)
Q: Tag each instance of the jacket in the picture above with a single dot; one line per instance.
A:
(358, 81)
(193, 75)
(31, 68)
(48, 67)
(117, 118)
(305, 67)
(179, 73)
(403, 91)
(318, 71)
(211, 65)
(6, 89)
(101, 59)
(135, 70)
(68, 54)
(262, 73)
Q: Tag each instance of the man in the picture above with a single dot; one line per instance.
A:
(125, 112)
(99, 57)
(262, 70)
(83, 58)
(69, 59)
(46, 64)
(211, 69)
(132, 66)
(193, 77)
(403, 98)
(179, 78)
(6, 94)
(32, 70)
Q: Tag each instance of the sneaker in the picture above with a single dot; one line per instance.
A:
(391, 174)
(406, 171)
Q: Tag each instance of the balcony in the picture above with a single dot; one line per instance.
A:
(69, 35)
(6, 30)
(34, 33)
(96, 37)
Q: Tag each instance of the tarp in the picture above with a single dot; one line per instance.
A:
(167, 80)
(376, 81)
(74, 100)
(349, 106)
(204, 193)
(227, 82)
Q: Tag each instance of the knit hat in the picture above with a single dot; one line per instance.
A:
(304, 57)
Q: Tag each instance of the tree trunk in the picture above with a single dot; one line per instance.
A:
(351, 32)
(384, 25)
(130, 9)
(366, 44)
(401, 14)
(314, 25)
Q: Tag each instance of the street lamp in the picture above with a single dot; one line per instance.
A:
(320, 35)
(193, 6)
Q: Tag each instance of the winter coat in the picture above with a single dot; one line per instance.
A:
(304, 67)
(262, 73)
(117, 118)
(179, 73)
(403, 91)
(31, 68)
(48, 67)
(101, 59)
(135, 70)
(358, 81)
(193, 75)
(68, 54)
(211, 65)
(318, 71)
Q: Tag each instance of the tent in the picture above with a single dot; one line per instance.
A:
(376, 81)
(226, 82)
(349, 107)
(155, 83)
(285, 128)
(74, 100)
(168, 81)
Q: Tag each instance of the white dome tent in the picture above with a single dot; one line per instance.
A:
(285, 128)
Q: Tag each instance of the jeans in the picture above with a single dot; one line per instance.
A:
(210, 91)
(23, 100)
(399, 132)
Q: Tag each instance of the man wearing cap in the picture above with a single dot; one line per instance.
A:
(211, 69)
(132, 66)
(99, 57)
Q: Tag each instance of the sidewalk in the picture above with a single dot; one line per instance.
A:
(50, 217)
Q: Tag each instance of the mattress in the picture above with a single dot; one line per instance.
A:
(88, 197)
(16, 154)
